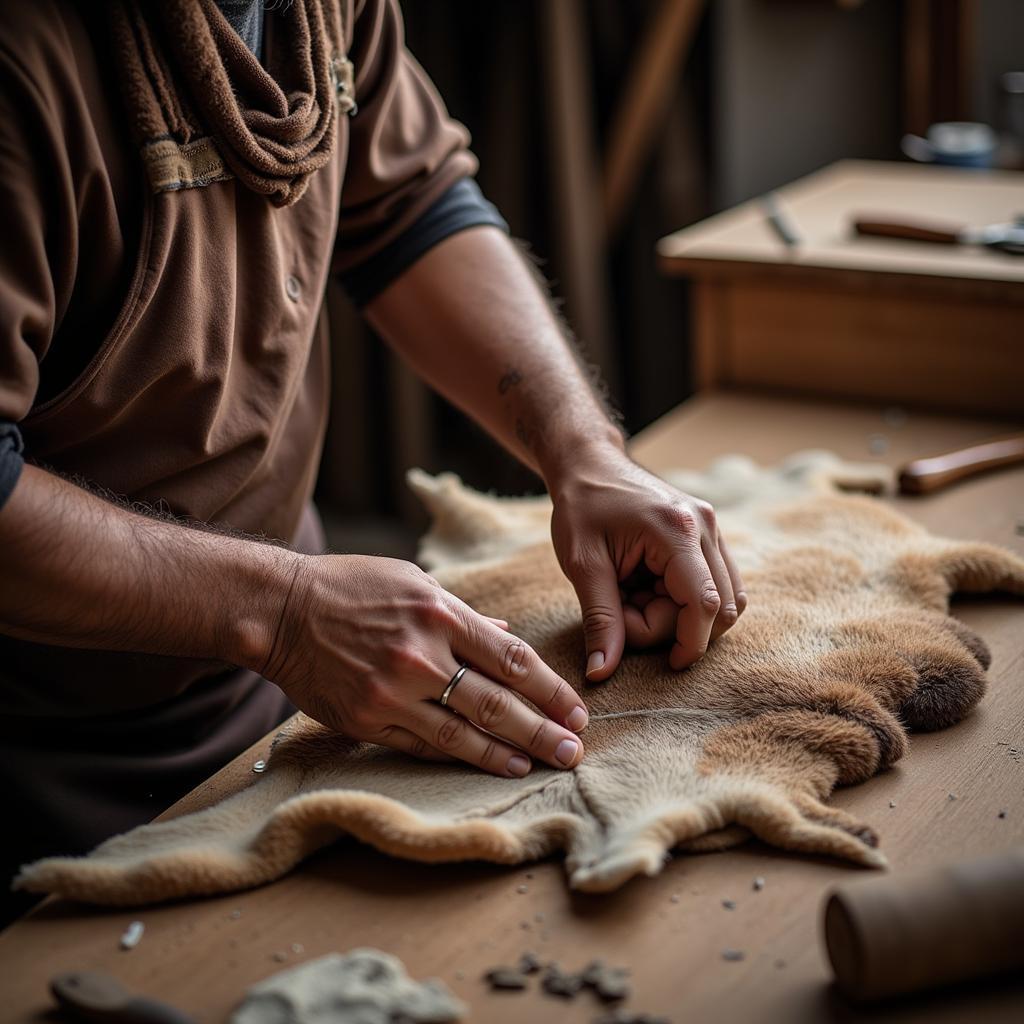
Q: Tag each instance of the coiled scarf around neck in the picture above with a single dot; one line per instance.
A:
(204, 109)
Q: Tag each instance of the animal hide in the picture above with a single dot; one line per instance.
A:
(845, 645)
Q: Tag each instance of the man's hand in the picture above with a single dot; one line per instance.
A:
(647, 561)
(367, 645)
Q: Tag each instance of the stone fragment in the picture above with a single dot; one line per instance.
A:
(733, 954)
(758, 884)
(620, 1016)
(530, 963)
(364, 986)
(506, 979)
(557, 982)
(729, 904)
(132, 935)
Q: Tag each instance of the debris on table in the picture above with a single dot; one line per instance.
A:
(530, 963)
(729, 904)
(609, 983)
(506, 979)
(674, 898)
(364, 984)
(619, 1016)
(1001, 814)
(522, 889)
(892, 803)
(557, 982)
(758, 884)
(132, 935)
(733, 955)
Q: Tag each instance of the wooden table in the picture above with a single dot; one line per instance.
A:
(455, 921)
(936, 326)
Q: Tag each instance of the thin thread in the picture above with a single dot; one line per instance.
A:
(654, 712)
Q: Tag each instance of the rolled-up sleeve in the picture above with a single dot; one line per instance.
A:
(405, 151)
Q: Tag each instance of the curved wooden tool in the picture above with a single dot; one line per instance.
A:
(95, 996)
(924, 476)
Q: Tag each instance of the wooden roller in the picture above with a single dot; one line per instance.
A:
(923, 476)
(906, 933)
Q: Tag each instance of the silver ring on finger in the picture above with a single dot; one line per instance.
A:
(452, 683)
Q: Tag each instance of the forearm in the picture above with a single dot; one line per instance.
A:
(471, 319)
(79, 571)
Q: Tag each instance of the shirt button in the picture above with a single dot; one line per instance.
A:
(292, 287)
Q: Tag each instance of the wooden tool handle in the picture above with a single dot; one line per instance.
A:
(101, 999)
(919, 231)
(924, 476)
(906, 933)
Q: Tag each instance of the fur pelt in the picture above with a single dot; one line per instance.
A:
(846, 644)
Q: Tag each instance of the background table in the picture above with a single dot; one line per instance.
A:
(937, 326)
(454, 921)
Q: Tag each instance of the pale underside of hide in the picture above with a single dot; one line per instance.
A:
(845, 646)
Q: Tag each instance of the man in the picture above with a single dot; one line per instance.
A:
(176, 188)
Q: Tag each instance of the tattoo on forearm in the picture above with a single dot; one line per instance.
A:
(509, 380)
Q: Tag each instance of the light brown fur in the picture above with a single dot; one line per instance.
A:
(845, 645)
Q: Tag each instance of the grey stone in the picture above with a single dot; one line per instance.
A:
(364, 986)
(507, 979)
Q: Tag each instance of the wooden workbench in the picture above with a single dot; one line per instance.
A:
(938, 326)
(454, 921)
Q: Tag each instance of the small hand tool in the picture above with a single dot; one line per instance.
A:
(1004, 237)
(99, 997)
(924, 476)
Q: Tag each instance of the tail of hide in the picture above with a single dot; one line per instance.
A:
(468, 527)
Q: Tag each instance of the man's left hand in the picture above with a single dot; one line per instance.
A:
(648, 562)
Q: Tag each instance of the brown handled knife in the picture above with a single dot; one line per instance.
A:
(98, 997)
(924, 476)
(1005, 237)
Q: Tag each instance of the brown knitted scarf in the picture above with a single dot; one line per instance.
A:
(205, 109)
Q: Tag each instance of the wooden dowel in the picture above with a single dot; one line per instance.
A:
(910, 932)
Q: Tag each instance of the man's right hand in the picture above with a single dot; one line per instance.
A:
(367, 645)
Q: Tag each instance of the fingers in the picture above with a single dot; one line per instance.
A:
(651, 624)
(506, 659)
(734, 575)
(397, 738)
(459, 738)
(597, 587)
(691, 586)
(727, 612)
(496, 709)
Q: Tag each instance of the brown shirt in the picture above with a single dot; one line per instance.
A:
(200, 382)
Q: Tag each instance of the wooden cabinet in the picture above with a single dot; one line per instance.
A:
(912, 323)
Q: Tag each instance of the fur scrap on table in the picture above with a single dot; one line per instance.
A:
(845, 645)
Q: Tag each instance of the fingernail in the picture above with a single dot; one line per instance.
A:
(566, 751)
(595, 661)
(518, 765)
(578, 719)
